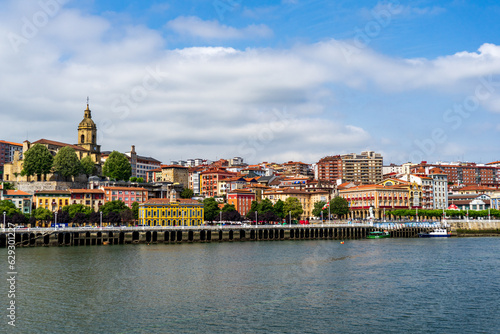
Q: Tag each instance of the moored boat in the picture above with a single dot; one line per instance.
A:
(378, 235)
(436, 233)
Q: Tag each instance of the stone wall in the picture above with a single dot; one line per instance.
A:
(31, 187)
(474, 224)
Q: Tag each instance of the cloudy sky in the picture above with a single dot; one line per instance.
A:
(265, 80)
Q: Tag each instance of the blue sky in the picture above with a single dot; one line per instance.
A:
(265, 80)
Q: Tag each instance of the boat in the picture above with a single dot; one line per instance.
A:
(378, 235)
(436, 233)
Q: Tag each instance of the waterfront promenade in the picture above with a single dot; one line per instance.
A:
(85, 236)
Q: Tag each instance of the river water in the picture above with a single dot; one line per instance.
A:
(363, 286)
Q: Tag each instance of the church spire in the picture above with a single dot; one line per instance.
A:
(87, 111)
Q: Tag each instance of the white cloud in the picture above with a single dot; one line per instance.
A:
(211, 101)
(213, 30)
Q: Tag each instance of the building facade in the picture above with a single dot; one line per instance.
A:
(22, 200)
(93, 198)
(53, 200)
(241, 199)
(171, 212)
(128, 195)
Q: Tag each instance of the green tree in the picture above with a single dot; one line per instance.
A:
(292, 204)
(66, 163)
(339, 206)
(187, 193)
(42, 214)
(133, 179)
(255, 206)
(8, 207)
(8, 186)
(228, 208)
(37, 161)
(140, 180)
(73, 209)
(135, 210)
(278, 209)
(88, 166)
(113, 206)
(211, 208)
(266, 206)
(117, 166)
(318, 208)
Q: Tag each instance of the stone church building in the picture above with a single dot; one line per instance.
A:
(87, 146)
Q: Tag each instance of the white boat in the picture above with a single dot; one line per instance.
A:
(437, 233)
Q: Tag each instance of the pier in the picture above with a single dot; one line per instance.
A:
(190, 234)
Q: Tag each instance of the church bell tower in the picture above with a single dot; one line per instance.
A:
(87, 135)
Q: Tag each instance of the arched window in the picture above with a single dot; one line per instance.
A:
(93, 139)
(82, 139)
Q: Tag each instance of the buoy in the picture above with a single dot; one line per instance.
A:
(341, 242)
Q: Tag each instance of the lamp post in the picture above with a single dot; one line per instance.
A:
(255, 218)
(220, 218)
(489, 218)
(4, 213)
(55, 221)
(290, 216)
(100, 219)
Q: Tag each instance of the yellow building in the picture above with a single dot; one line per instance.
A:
(54, 200)
(306, 198)
(171, 212)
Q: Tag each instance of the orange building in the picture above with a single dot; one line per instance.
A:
(241, 199)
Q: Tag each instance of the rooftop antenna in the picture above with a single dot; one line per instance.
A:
(87, 102)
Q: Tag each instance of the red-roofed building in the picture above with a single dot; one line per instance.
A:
(93, 198)
(125, 194)
(22, 200)
(210, 181)
(241, 199)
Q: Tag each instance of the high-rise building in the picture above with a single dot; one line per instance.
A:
(364, 168)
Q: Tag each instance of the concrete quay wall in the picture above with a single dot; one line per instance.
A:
(96, 237)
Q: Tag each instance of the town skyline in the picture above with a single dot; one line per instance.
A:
(180, 81)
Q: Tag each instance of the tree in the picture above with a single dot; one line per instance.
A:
(8, 207)
(255, 206)
(133, 179)
(318, 209)
(126, 216)
(42, 214)
(135, 210)
(339, 206)
(187, 193)
(19, 219)
(37, 161)
(73, 209)
(140, 180)
(266, 206)
(269, 216)
(95, 218)
(278, 209)
(232, 215)
(88, 166)
(80, 219)
(117, 166)
(8, 186)
(63, 217)
(292, 204)
(113, 206)
(228, 208)
(113, 218)
(66, 163)
(211, 208)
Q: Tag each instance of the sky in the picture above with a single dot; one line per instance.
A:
(275, 81)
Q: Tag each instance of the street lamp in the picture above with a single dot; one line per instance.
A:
(4, 213)
(290, 216)
(255, 218)
(100, 219)
(55, 221)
